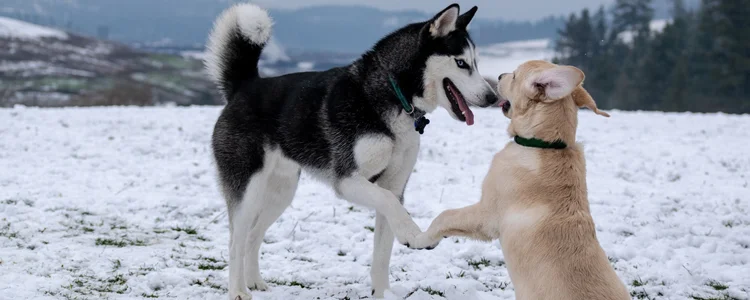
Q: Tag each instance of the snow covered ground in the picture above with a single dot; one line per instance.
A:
(121, 203)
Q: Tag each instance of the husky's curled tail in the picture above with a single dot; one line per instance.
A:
(235, 45)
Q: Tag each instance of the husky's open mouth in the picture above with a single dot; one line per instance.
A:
(458, 103)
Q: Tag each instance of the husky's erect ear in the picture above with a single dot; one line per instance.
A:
(465, 19)
(444, 22)
(554, 83)
(584, 99)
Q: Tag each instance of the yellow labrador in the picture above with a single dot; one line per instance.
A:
(534, 198)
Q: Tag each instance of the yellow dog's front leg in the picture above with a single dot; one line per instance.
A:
(467, 222)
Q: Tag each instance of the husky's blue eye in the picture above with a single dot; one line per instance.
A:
(462, 64)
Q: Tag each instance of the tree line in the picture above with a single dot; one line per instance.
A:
(699, 61)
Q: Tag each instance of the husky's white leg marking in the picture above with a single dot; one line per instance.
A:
(268, 194)
(266, 201)
(393, 179)
(243, 218)
(236, 244)
(372, 153)
(381, 256)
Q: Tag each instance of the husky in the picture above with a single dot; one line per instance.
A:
(355, 128)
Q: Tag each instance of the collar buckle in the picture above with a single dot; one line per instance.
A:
(420, 122)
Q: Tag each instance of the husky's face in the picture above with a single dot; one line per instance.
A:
(451, 77)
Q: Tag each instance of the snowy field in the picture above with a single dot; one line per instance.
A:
(121, 203)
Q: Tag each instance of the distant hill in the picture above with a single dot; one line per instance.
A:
(186, 23)
(48, 67)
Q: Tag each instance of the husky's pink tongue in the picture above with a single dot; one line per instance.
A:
(468, 114)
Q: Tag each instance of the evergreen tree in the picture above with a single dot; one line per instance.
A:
(632, 15)
(600, 70)
(700, 61)
(733, 48)
(575, 40)
(677, 95)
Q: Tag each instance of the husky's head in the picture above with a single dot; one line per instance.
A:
(451, 78)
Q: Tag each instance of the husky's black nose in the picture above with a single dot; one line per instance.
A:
(490, 99)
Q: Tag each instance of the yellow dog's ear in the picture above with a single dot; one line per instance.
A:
(583, 99)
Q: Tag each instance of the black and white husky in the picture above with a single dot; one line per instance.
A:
(351, 127)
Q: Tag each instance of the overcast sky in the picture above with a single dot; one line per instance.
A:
(505, 9)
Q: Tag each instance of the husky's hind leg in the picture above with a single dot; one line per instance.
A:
(264, 202)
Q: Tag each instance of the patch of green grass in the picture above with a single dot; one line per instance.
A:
(187, 230)
(120, 243)
(428, 290)
(477, 264)
(211, 267)
(87, 287)
(142, 271)
(299, 284)
(6, 232)
(210, 259)
(370, 228)
(139, 243)
(291, 283)
(717, 285)
(115, 226)
(459, 275)
(640, 294)
(118, 279)
(152, 295)
(87, 229)
(208, 283)
(341, 253)
(276, 281)
(638, 282)
(110, 242)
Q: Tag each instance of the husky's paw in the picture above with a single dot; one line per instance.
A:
(425, 241)
(406, 232)
(256, 284)
(240, 295)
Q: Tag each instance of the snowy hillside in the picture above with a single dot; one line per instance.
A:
(48, 67)
(23, 30)
(121, 203)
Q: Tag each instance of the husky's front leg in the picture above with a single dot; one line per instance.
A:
(394, 179)
(359, 190)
